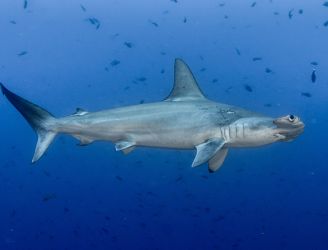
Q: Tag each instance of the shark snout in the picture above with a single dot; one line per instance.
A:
(289, 127)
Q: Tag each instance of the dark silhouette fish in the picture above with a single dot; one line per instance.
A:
(48, 197)
(306, 94)
(115, 62)
(94, 21)
(154, 23)
(83, 8)
(313, 76)
(257, 59)
(290, 13)
(141, 79)
(23, 53)
(248, 88)
(128, 44)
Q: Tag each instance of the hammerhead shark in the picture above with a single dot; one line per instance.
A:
(186, 119)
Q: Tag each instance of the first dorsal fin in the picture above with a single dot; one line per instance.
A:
(185, 86)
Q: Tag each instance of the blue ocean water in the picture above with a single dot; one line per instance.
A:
(99, 54)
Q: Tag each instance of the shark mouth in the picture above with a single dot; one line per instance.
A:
(289, 134)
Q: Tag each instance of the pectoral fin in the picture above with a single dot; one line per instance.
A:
(207, 150)
(84, 140)
(216, 162)
(125, 146)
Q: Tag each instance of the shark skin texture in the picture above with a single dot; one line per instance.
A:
(186, 119)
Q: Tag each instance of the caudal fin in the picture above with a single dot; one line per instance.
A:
(40, 120)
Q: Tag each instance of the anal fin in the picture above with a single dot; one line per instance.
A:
(128, 150)
(84, 140)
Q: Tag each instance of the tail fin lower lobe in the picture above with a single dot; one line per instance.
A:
(38, 118)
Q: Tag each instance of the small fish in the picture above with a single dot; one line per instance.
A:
(237, 51)
(94, 21)
(184, 19)
(162, 71)
(257, 59)
(46, 173)
(119, 178)
(268, 105)
(142, 101)
(83, 8)
(25, 4)
(128, 44)
(300, 11)
(253, 4)
(115, 62)
(222, 4)
(179, 178)
(163, 53)
(215, 80)
(48, 197)
(202, 69)
(325, 23)
(154, 23)
(313, 76)
(314, 63)
(13, 22)
(175, 1)
(306, 94)
(268, 70)
(248, 88)
(23, 53)
(325, 4)
(227, 90)
(290, 14)
(276, 13)
(141, 79)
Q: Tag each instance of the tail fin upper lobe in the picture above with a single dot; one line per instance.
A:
(39, 119)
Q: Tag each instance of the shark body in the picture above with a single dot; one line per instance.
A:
(186, 119)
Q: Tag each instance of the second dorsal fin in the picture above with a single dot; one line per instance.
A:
(185, 86)
(80, 111)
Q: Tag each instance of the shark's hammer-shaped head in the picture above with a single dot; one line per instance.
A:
(258, 131)
(288, 127)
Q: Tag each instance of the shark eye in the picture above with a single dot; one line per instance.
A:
(291, 118)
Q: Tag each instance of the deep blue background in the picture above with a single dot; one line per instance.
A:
(275, 197)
